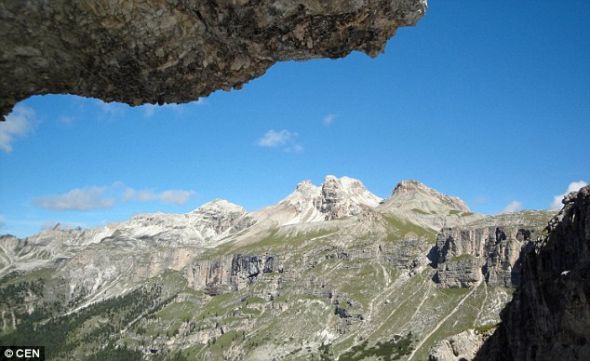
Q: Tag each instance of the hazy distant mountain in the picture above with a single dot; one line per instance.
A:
(329, 272)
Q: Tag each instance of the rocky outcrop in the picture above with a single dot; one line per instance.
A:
(461, 347)
(234, 272)
(336, 198)
(549, 316)
(145, 51)
(342, 197)
(204, 226)
(466, 255)
(420, 204)
(424, 198)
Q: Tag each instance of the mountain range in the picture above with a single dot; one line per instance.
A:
(331, 272)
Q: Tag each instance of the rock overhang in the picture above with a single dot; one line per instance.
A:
(175, 51)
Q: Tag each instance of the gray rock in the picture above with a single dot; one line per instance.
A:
(143, 51)
(461, 347)
(464, 255)
(549, 317)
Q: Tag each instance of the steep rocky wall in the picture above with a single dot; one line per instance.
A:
(174, 51)
(464, 256)
(549, 316)
(234, 272)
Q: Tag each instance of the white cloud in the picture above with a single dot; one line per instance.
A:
(89, 198)
(329, 119)
(295, 148)
(78, 199)
(282, 138)
(174, 196)
(514, 206)
(111, 108)
(274, 138)
(572, 187)
(130, 194)
(18, 123)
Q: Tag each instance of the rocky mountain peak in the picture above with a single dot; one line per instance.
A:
(219, 206)
(413, 194)
(408, 186)
(345, 196)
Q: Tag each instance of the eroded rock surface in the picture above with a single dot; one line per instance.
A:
(549, 316)
(147, 51)
(461, 347)
(466, 255)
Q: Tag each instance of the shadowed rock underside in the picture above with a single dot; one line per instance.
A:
(175, 51)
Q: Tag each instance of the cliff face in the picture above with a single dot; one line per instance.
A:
(234, 272)
(466, 256)
(549, 316)
(146, 51)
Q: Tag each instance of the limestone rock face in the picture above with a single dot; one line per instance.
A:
(233, 272)
(461, 347)
(147, 51)
(423, 205)
(336, 198)
(345, 196)
(549, 316)
(466, 255)
(418, 195)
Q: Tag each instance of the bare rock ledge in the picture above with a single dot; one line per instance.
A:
(175, 51)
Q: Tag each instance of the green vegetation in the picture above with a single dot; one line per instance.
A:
(390, 350)
(399, 229)
(88, 330)
(116, 354)
(483, 329)
(420, 211)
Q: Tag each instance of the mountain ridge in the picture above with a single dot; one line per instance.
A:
(327, 268)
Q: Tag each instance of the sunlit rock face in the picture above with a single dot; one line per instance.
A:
(174, 51)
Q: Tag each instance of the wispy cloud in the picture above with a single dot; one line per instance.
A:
(95, 197)
(111, 108)
(284, 139)
(514, 206)
(329, 119)
(174, 196)
(295, 148)
(78, 199)
(18, 123)
(274, 138)
(572, 187)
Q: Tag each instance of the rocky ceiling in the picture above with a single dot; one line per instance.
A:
(175, 51)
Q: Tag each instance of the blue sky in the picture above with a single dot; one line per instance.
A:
(489, 101)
